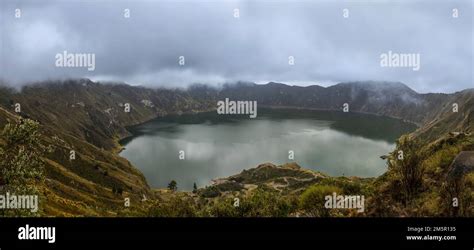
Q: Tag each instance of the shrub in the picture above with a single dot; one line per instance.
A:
(313, 199)
(409, 169)
(258, 203)
(177, 206)
(21, 163)
(210, 192)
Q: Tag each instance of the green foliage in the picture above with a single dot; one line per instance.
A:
(223, 207)
(418, 185)
(258, 203)
(461, 189)
(266, 172)
(440, 156)
(313, 199)
(216, 190)
(210, 192)
(178, 206)
(348, 186)
(409, 170)
(21, 163)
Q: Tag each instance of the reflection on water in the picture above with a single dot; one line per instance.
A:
(218, 146)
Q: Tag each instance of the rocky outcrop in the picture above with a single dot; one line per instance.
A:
(289, 177)
(462, 165)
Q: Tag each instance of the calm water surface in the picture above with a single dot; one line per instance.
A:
(218, 146)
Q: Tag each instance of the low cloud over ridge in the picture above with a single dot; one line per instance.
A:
(145, 48)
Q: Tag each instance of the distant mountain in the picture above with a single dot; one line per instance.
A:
(383, 98)
(444, 120)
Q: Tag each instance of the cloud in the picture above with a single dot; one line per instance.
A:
(171, 78)
(145, 48)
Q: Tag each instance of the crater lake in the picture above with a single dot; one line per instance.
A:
(216, 146)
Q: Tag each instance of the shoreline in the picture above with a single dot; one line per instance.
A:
(417, 124)
(120, 147)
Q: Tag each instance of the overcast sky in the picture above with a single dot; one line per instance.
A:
(327, 48)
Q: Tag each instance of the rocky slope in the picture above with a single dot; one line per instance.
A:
(89, 118)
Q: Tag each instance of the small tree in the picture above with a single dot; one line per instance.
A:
(173, 185)
(195, 189)
(21, 164)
